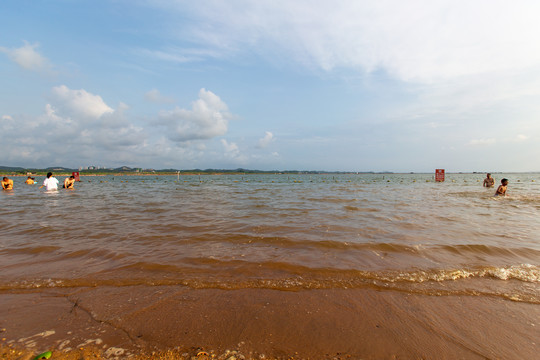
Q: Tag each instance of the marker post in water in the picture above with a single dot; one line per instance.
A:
(76, 176)
(439, 175)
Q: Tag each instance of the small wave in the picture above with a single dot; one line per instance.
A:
(390, 247)
(94, 253)
(285, 242)
(361, 209)
(489, 250)
(334, 200)
(30, 250)
(524, 272)
(435, 282)
(60, 253)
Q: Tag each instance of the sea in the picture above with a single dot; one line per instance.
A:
(399, 232)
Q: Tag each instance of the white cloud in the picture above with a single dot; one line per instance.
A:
(170, 56)
(418, 40)
(79, 128)
(230, 148)
(207, 119)
(27, 57)
(451, 59)
(156, 97)
(50, 114)
(266, 140)
(80, 102)
(516, 139)
(232, 152)
(481, 142)
(75, 127)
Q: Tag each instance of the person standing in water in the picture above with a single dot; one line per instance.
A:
(51, 183)
(7, 184)
(501, 190)
(69, 182)
(30, 181)
(489, 181)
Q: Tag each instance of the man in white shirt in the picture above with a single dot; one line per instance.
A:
(51, 183)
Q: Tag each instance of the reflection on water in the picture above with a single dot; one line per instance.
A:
(400, 231)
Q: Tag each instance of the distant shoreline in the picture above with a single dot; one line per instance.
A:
(17, 171)
(127, 174)
(217, 173)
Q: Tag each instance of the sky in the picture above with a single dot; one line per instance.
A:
(343, 85)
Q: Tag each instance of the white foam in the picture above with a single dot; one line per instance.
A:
(114, 351)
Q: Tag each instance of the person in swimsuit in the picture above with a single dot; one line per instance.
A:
(69, 182)
(501, 190)
(7, 184)
(30, 181)
(489, 181)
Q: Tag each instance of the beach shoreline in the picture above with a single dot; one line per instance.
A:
(260, 323)
(321, 268)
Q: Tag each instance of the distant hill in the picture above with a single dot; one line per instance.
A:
(11, 168)
(18, 169)
(127, 169)
(124, 168)
(59, 169)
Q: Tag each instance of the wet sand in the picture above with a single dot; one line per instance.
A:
(258, 323)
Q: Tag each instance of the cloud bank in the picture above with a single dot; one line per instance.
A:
(78, 128)
(208, 118)
(415, 41)
(448, 60)
(80, 103)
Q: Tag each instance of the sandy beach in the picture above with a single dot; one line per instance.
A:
(314, 324)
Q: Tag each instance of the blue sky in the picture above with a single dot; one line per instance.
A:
(308, 85)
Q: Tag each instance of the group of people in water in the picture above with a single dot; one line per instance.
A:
(50, 182)
(489, 181)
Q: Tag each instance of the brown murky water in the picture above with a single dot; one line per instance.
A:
(404, 233)
(277, 232)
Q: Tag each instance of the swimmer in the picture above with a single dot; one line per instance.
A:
(50, 182)
(69, 182)
(489, 181)
(30, 181)
(501, 190)
(7, 184)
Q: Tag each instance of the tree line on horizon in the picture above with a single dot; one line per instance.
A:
(129, 170)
